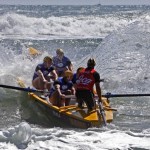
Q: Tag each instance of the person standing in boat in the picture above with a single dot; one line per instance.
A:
(85, 83)
(43, 73)
(61, 62)
(62, 86)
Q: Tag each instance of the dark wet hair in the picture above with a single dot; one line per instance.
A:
(91, 62)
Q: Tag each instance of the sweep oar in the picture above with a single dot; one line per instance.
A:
(21, 89)
(109, 95)
(101, 109)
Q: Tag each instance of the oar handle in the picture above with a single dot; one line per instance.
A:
(70, 96)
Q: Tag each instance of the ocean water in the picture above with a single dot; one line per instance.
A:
(116, 36)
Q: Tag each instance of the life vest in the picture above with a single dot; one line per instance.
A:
(85, 80)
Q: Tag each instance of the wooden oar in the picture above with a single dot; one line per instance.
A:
(109, 95)
(102, 112)
(21, 88)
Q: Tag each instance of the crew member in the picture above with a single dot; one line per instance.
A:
(61, 62)
(85, 83)
(43, 73)
(62, 86)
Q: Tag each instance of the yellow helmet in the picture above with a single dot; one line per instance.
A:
(68, 73)
(91, 62)
(47, 58)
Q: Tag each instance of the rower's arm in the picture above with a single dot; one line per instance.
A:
(70, 67)
(57, 88)
(69, 64)
(54, 74)
(40, 74)
(98, 90)
(73, 90)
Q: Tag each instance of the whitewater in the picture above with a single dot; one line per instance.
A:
(116, 36)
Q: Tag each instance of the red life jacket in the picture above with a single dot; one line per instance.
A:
(85, 80)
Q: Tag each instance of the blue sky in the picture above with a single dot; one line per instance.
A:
(76, 2)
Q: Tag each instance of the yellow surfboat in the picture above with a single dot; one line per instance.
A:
(72, 115)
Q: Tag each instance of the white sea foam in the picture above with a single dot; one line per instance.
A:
(18, 136)
(20, 26)
(58, 138)
(125, 52)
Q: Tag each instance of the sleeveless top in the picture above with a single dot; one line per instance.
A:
(61, 64)
(44, 70)
(64, 86)
(86, 80)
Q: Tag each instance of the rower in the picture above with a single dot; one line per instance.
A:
(61, 62)
(62, 86)
(85, 83)
(41, 76)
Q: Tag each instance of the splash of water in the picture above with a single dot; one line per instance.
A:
(20, 135)
(123, 58)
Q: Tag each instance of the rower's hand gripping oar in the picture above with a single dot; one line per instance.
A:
(102, 112)
(21, 88)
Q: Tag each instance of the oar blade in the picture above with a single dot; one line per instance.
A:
(21, 83)
(102, 112)
(33, 51)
